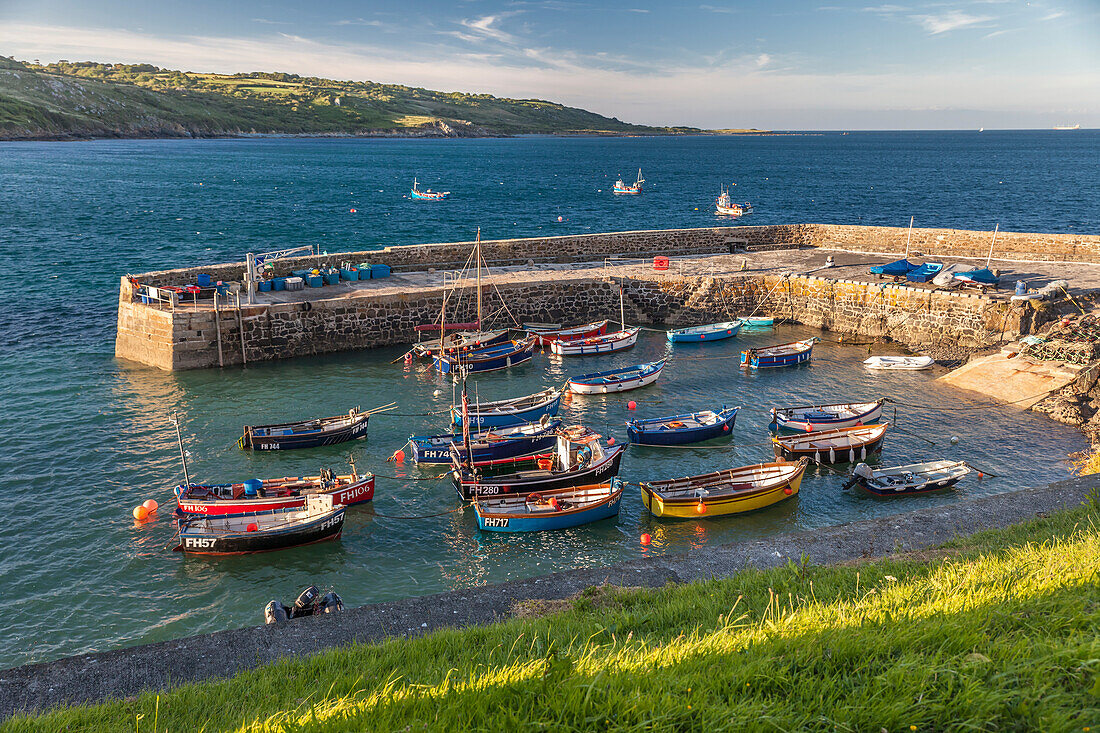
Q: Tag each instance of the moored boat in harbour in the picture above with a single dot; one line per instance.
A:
(915, 478)
(514, 411)
(811, 418)
(427, 195)
(839, 445)
(732, 491)
(263, 495)
(617, 380)
(488, 359)
(547, 334)
(549, 510)
(607, 343)
(309, 433)
(490, 445)
(683, 429)
(250, 532)
(783, 355)
(709, 332)
(635, 188)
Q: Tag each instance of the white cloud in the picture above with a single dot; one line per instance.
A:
(717, 9)
(951, 20)
(886, 9)
(638, 10)
(752, 95)
(359, 21)
(763, 60)
(1056, 14)
(487, 28)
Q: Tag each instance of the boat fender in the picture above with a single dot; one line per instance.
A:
(817, 456)
(307, 599)
(863, 453)
(274, 612)
(307, 306)
(851, 454)
(330, 603)
(832, 455)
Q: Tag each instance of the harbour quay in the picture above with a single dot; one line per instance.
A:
(812, 274)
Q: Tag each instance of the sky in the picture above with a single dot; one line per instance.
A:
(772, 64)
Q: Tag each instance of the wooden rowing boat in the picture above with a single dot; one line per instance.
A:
(548, 510)
(810, 418)
(782, 355)
(617, 380)
(682, 429)
(839, 445)
(242, 534)
(732, 491)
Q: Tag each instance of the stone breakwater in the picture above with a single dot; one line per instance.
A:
(705, 284)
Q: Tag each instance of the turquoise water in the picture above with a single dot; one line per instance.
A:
(83, 437)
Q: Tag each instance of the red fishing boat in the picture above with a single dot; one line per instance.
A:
(546, 334)
(256, 495)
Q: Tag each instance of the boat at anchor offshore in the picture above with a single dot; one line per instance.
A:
(724, 205)
(428, 194)
(636, 187)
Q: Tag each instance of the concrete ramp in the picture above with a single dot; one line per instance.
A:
(1009, 377)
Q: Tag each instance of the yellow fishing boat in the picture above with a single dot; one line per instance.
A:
(732, 491)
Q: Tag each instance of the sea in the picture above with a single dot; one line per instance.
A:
(85, 437)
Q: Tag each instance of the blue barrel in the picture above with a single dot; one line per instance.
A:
(379, 271)
(315, 281)
(264, 286)
(279, 283)
(252, 486)
(204, 280)
(1021, 287)
(332, 278)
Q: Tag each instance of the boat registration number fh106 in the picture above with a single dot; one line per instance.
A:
(496, 522)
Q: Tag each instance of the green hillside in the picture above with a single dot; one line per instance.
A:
(88, 99)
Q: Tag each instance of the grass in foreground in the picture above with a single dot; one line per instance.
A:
(997, 631)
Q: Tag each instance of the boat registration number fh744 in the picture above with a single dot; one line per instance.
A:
(496, 522)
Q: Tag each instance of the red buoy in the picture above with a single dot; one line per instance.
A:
(631, 405)
(611, 441)
(646, 539)
(788, 491)
(253, 527)
(355, 211)
(398, 456)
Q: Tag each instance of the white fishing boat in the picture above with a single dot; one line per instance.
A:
(915, 478)
(912, 363)
(724, 206)
(617, 341)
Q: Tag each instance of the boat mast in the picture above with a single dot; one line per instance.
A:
(622, 310)
(183, 454)
(479, 328)
(991, 244)
(909, 237)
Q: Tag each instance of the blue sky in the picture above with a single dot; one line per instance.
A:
(777, 64)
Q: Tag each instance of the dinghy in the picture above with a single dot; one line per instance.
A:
(756, 322)
(733, 491)
(616, 341)
(946, 276)
(810, 418)
(490, 359)
(783, 355)
(912, 363)
(515, 411)
(556, 509)
(580, 460)
(839, 445)
(897, 268)
(241, 534)
(457, 342)
(709, 332)
(306, 433)
(915, 478)
(491, 445)
(683, 429)
(617, 380)
(983, 278)
(924, 273)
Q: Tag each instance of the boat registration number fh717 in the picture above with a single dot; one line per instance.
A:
(496, 522)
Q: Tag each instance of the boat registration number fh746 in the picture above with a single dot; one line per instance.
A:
(496, 522)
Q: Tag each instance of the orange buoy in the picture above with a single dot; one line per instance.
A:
(788, 491)
(700, 508)
(141, 513)
(611, 441)
(632, 405)
(725, 428)
(646, 539)
(545, 464)
(981, 475)
(398, 456)
(559, 218)
(252, 527)
(150, 505)
(355, 211)
(554, 504)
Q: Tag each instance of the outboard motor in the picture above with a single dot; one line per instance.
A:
(330, 603)
(306, 602)
(274, 612)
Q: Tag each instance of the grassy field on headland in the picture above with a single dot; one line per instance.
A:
(87, 99)
(996, 631)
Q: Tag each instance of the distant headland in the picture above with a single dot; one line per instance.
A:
(79, 100)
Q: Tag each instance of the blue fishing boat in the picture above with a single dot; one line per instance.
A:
(897, 268)
(554, 509)
(691, 427)
(709, 332)
(783, 355)
(489, 359)
(636, 188)
(812, 418)
(617, 380)
(983, 278)
(490, 445)
(428, 195)
(924, 273)
(515, 411)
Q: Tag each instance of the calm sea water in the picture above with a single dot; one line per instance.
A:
(83, 437)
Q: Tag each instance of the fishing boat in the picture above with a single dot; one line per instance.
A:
(548, 334)
(546, 510)
(306, 433)
(811, 418)
(709, 332)
(911, 363)
(489, 359)
(249, 532)
(897, 268)
(621, 187)
(924, 273)
(458, 342)
(256, 495)
(580, 459)
(489, 445)
(515, 411)
(615, 341)
(783, 355)
(428, 195)
(915, 478)
(617, 380)
(839, 445)
(692, 427)
(725, 207)
(732, 491)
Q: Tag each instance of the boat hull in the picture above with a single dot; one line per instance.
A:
(642, 436)
(437, 449)
(720, 332)
(526, 483)
(198, 542)
(483, 420)
(608, 343)
(634, 379)
(358, 492)
(808, 422)
(755, 360)
(490, 360)
(545, 337)
(689, 508)
(856, 449)
(490, 521)
(354, 431)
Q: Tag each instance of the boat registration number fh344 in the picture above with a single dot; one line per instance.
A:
(496, 522)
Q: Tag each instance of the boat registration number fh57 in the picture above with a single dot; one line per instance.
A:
(339, 519)
(496, 522)
(199, 543)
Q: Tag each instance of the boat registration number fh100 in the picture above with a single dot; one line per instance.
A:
(496, 522)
